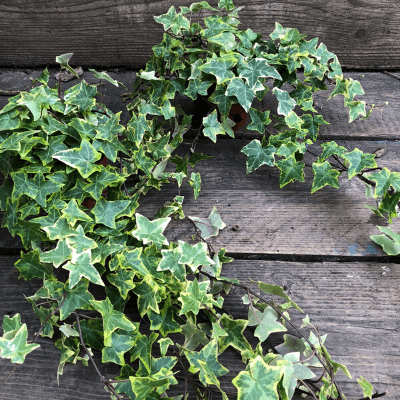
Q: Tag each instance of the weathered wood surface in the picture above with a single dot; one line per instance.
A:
(364, 34)
(262, 218)
(356, 304)
(383, 124)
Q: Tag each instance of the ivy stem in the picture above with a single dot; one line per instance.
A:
(64, 296)
(284, 318)
(102, 378)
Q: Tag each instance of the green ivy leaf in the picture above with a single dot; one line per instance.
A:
(391, 246)
(291, 170)
(331, 148)
(366, 387)
(226, 5)
(63, 60)
(195, 183)
(209, 226)
(105, 77)
(324, 175)
(266, 322)
(164, 320)
(260, 381)
(244, 94)
(286, 103)
(212, 127)
(148, 296)
(30, 266)
(112, 319)
(312, 123)
(76, 298)
(123, 280)
(83, 159)
(223, 101)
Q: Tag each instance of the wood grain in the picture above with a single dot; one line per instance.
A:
(356, 304)
(364, 34)
(262, 218)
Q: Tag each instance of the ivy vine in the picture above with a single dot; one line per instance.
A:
(75, 177)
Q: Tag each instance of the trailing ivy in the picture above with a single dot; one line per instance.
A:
(75, 177)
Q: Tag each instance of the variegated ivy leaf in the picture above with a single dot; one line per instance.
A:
(110, 130)
(209, 226)
(293, 121)
(384, 180)
(151, 231)
(112, 319)
(209, 355)
(122, 279)
(358, 161)
(170, 262)
(356, 108)
(234, 328)
(121, 342)
(15, 140)
(324, 175)
(244, 94)
(82, 96)
(83, 159)
(220, 67)
(260, 381)
(105, 77)
(223, 101)
(196, 87)
(30, 267)
(201, 5)
(8, 121)
(195, 183)
(311, 123)
(72, 213)
(212, 127)
(148, 296)
(80, 267)
(291, 170)
(194, 255)
(259, 120)
(58, 255)
(194, 297)
(225, 39)
(366, 387)
(164, 320)
(226, 5)
(13, 343)
(37, 100)
(63, 60)
(256, 68)
(105, 212)
(391, 244)
(172, 20)
(59, 230)
(331, 148)
(286, 103)
(258, 153)
(266, 322)
(80, 242)
(101, 180)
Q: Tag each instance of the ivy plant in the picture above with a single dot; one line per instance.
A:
(74, 179)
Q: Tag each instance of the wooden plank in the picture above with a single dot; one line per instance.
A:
(356, 304)
(262, 218)
(119, 32)
(383, 124)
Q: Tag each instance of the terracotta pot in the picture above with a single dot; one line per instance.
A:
(239, 115)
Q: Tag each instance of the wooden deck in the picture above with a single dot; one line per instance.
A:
(317, 245)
